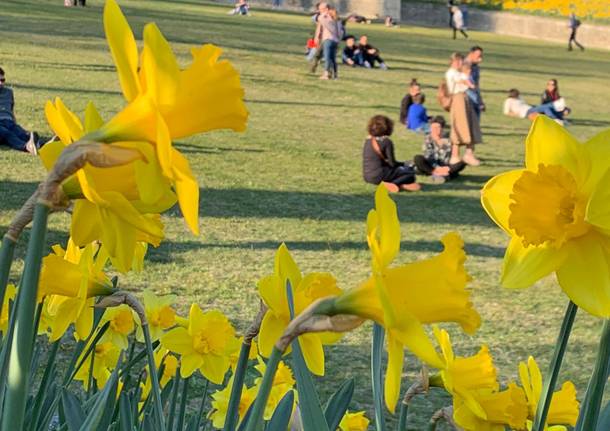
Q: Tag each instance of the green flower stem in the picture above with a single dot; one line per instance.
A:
(551, 378)
(21, 346)
(256, 417)
(44, 385)
(154, 377)
(183, 397)
(236, 389)
(402, 420)
(202, 405)
(431, 425)
(595, 390)
(6, 351)
(377, 376)
(7, 251)
(174, 400)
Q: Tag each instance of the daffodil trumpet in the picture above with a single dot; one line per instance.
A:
(240, 370)
(597, 383)
(551, 379)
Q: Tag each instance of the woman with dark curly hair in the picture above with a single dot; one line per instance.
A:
(378, 162)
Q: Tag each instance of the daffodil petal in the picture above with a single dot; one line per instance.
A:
(585, 274)
(189, 363)
(123, 49)
(551, 144)
(187, 190)
(393, 375)
(598, 207)
(270, 290)
(286, 268)
(271, 330)
(389, 226)
(50, 153)
(598, 148)
(56, 123)
(523, 266)
(85, 227)
(160, 66)
(178, 340)
(70, 120)
(495, 197)
(93, 120)
(412, 334)
(313, 353)
(214, 368)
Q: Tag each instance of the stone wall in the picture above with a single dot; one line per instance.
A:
(511, 24)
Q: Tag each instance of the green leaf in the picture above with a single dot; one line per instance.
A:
(283, 412)
(309, 402)
(604, 419)
(104, 401)
(72, 409)
(338, 403)
(125, 416)
(377, 376)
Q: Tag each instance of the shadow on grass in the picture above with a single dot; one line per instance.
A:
(200, 149)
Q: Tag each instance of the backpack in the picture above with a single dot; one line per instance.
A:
(443, 96)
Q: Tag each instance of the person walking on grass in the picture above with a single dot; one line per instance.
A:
(573, 24)
(458, 22)
(378, 162)
(11, 133)
(435, 160)
(328, 35)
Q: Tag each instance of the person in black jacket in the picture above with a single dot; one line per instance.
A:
(370, 54)
(351, 54)
(378, 162)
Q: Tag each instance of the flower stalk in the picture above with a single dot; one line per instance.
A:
(597, 384)
(377, 375)
(421, 386)
(551, 379)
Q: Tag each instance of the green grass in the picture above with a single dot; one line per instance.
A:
(295, 174)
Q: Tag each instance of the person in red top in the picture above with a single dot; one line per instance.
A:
(311, 48)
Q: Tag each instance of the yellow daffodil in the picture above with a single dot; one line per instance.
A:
(463, 375)
(564, 406)
(170, 365)
(557, 214)
(402, 299)
(234, 358)
(165, 102)
(105, 357)
(305, 290)
(283, 382)
(9, 295)
(122, 324)
(70, 279)
(507, 407)
(206, 344)
(355, 421)
(220, 403)
(159, 313)
(119, 204)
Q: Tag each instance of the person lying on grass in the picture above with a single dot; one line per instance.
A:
(378, 162)
(437, 153)
(515, 106)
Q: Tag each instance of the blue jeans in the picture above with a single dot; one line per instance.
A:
(546, 109)
(13, 135)
(329, 47)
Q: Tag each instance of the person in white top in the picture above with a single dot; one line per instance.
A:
(515, 106)
(458, 22)
(465, 127)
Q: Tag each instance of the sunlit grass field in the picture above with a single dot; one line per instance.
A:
(295, 175)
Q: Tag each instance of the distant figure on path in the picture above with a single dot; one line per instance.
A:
(574, 23)
(450, 5)
(407, 101)
(437, 154)
(458, 22)
(378, 162)
(11, 133)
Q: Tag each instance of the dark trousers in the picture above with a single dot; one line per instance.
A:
(455, 30)
(371, 58)
(573, 39)
(399, 175)
(426, 168)
(13, 135)
(329, 48)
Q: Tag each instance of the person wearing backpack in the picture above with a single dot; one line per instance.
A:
(574, 24)
(465, 126)
(378, 162)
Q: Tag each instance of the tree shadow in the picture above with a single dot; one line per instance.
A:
(201, 149)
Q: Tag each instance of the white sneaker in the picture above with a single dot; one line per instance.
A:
(30, 147)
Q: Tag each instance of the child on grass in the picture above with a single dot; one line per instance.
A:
(417, 117)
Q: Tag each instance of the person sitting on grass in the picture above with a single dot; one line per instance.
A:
(417, 117)
(370, 54)
(378, 162)
(407, 101)
(351, 54)
(437, 153)
(515, 106)
(241, 8)
(11, 133)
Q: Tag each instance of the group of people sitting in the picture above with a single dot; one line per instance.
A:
(379, 165)
(551, 104)
(361, 54)
(242, 7)
(323, 45)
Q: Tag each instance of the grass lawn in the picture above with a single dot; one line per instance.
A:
(295, 174)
